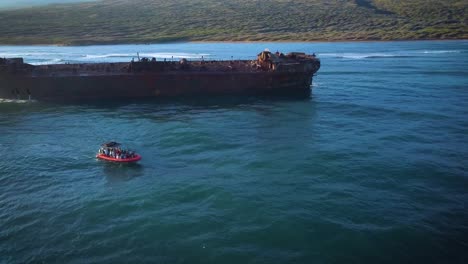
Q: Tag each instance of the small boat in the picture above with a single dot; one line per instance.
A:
(133, 159)
(112, 151)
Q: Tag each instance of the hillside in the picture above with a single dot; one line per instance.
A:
(149, 21)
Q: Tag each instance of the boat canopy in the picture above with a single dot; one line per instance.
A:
(111, 144)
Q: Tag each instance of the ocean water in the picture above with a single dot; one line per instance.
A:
(372, 168)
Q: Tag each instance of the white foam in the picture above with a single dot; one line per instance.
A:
(16, 101)
(112, 55)
(358, 56)
(53, 61)
(27, 54)
(159, 55)
(178, 55)
(440, 51)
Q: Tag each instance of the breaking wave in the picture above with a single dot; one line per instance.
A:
(364, 55)
(401, 54)
(161, 55)
(440, 51)
(176, 55)
(44, 62)
(16, 101)
(116, 55)
(26, 54)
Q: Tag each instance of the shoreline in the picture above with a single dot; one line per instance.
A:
(230, 41)
(324, 41)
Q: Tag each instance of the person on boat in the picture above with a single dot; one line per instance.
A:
(113, 150)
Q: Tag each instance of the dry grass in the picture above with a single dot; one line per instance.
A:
(150, 21)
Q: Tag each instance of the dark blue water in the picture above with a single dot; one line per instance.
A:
(372, 168)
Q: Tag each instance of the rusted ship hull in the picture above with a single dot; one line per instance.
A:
(152, 85)
(270, 74)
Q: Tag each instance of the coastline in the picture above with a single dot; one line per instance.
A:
(226, 41)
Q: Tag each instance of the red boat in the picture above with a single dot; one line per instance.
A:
(133, 159)
(112, 151)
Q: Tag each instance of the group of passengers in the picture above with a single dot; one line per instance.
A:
(117, 153)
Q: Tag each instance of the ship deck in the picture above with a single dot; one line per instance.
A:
(122, 68)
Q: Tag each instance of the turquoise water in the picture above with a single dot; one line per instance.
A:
(372, 168)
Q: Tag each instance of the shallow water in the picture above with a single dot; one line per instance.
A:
(370, 169)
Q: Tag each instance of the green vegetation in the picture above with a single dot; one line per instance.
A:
(149, 21)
